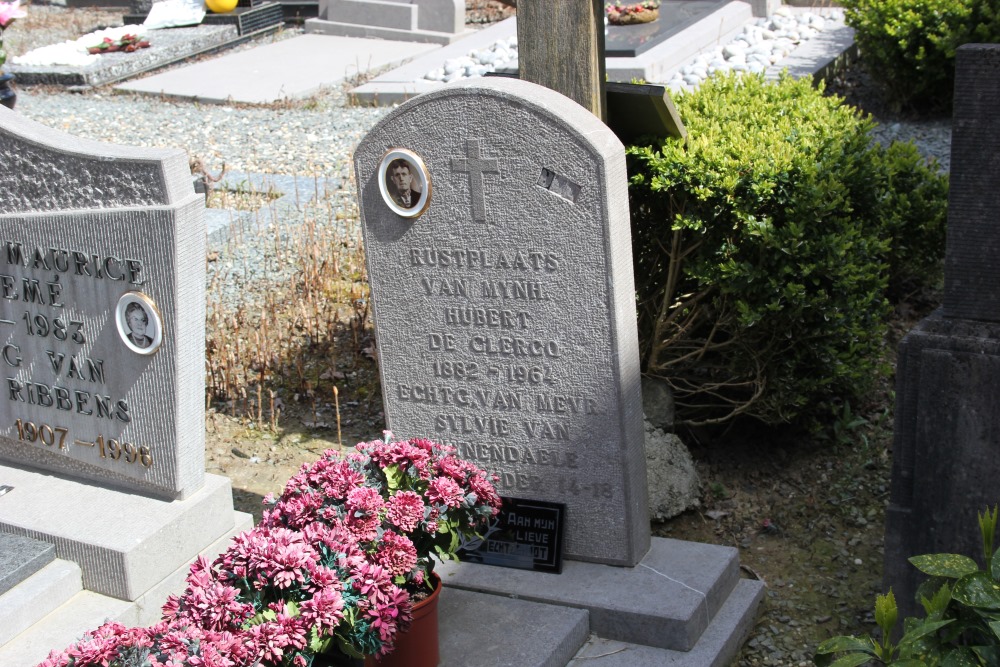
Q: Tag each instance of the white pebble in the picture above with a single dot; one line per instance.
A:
(733, 50)
(692, 80)
(858, 561)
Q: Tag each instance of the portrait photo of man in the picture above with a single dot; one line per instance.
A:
(404, 182)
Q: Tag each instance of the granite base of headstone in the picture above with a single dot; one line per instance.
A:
(432, 21)
(495, 218)
(102, 456)
(947, 435)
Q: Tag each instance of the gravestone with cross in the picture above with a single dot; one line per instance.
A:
(505, 316)
(504, 308)
(947, 434)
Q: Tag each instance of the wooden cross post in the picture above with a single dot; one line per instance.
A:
(560, 46)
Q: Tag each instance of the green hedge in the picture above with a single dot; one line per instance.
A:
(908, 46)
(765, 245)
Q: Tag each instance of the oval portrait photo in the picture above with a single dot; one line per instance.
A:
(404, 182)
(139, 323)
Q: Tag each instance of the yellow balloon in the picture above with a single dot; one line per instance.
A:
(221, 6)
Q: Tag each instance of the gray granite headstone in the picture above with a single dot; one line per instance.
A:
(946, 453)
(505, 313)
(102, 311)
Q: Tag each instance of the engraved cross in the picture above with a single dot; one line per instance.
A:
(475, 166)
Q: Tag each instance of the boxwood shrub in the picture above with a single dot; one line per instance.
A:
(765, 244)
(908, 46)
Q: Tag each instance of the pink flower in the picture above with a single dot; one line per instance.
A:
(325, 611)
(10, 11)
(364, 505)
(406, 510)
(446, 491)
(396, 553)
(485, 492)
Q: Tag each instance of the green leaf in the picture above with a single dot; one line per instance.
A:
(393, 476)
(960, 657)
(347, 648)
(886, 612)
(318, 644)
(995, 627)
(977, 590)
(938, 603)
(953, 566)
(988, 529)
(922, 630)
(852, 660)
(995, 565)
(838, 644)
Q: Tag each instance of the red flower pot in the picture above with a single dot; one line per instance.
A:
(418, 646)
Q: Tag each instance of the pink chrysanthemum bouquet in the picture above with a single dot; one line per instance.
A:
(404, 501)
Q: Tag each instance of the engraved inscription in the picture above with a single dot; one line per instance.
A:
(464, 258)
(494, 364)
(46, 353)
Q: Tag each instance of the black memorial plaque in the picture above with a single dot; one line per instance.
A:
(526, 534)
(628, 41)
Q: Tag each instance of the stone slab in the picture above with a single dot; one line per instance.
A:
(289, 69)
(166, 46)
(675, 15)
(528, 193)
(21, 557)
(821, 56)
(405, 81)
(479, 630)
(717, 647)
(84, 611)
(124, 543)
(147, 608)
(37, 596)
(667, 601)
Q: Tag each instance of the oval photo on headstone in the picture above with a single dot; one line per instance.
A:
(139, 323)
(404, 182)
